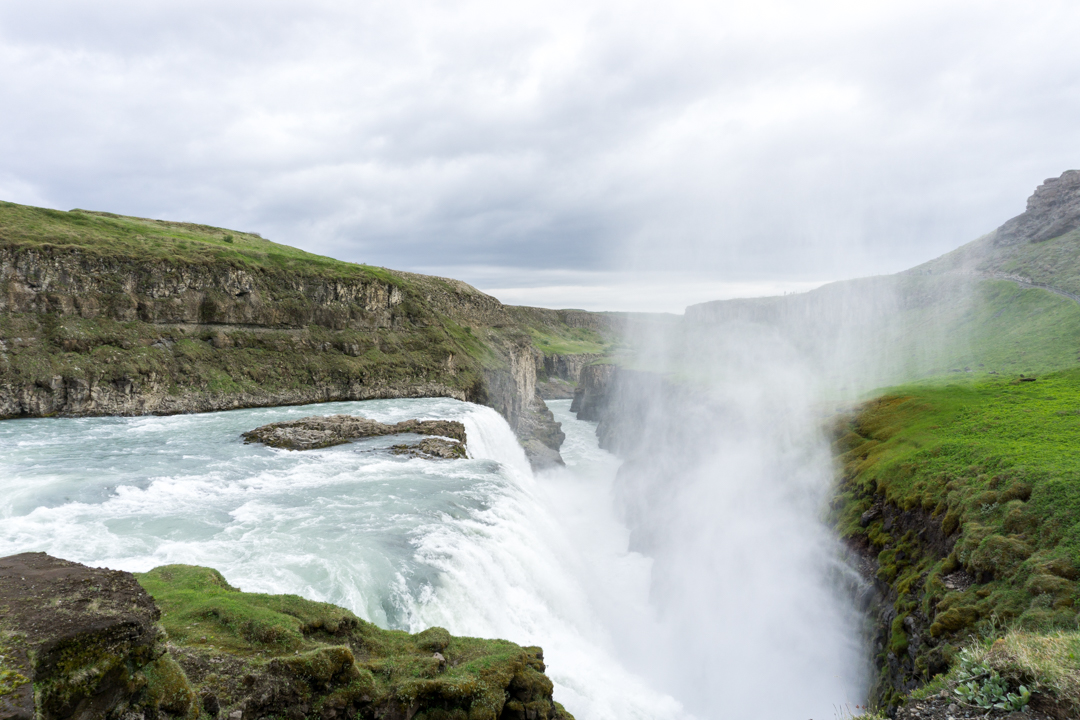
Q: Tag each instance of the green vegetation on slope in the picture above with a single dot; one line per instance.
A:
(570, 341)
(970, 498)
(153, 358)
(104, 314)
(569, 332)
(989, 326)
(229, 642)
(111, 235)
(1054, 262)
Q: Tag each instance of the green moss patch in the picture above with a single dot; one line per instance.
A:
(268, 653)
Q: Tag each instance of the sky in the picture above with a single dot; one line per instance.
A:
(605, 155)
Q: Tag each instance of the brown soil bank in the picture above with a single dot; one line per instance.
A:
(87, 643)
(108, 315)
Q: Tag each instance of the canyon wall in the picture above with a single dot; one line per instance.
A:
(82, 333)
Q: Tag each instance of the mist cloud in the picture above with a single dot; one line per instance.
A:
(744, 142)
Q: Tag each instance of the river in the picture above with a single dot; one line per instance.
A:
(480, 546)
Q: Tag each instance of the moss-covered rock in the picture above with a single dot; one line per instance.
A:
(79, 642)
(82, 642)
(281, 655)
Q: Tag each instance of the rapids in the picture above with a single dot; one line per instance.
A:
(479, 546)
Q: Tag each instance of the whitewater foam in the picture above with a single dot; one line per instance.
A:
(480, 546)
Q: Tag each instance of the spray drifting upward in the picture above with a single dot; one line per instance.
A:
(725, 476)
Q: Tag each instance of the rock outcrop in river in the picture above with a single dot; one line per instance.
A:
(315, 432)
(322, 431)
(86, 643)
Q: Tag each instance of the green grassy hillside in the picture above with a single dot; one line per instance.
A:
(1054, 262)
(949, 326)
(967, 498)
(110, 235)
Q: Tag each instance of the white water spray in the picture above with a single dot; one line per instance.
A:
(479, 546)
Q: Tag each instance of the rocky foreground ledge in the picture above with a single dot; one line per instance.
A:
(315, 432)
(180, 642)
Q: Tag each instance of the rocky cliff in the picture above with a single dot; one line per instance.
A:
(106, 315)
(180, 642)
(1052, 210)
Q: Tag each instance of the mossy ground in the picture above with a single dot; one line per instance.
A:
(570, 341)
(1043, 662)
(13, 674)
(992, 461)
(335, 659)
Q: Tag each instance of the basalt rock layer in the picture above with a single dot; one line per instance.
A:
(108, 315)
(86, 643)
(959, 507)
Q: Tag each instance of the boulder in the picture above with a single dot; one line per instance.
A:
(81, 643)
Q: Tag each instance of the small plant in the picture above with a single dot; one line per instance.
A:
(979, 686)
(228, 238)
(860, 712)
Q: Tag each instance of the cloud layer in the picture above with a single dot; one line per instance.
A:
(739, 143)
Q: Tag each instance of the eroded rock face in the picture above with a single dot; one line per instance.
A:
(281, 338)
(593, 392)
(86, 639)
(315, 432)
(562, 373)
(1052, 211)
(513, 393)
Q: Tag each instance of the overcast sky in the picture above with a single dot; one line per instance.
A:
(609, 155)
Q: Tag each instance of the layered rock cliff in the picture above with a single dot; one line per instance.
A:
(1052, 210)
(105, 315)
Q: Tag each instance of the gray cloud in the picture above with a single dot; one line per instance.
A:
(737, 142)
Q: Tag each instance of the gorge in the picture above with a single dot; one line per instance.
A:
(746, 498)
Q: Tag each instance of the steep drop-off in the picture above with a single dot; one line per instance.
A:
(962, 505)
(956, 497)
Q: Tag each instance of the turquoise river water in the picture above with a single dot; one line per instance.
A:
(480, 546)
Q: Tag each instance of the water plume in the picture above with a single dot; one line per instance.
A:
(726, 475)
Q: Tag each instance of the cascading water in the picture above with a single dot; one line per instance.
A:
(479, 546)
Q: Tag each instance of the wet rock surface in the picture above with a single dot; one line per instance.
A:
(431, 449)
(594, 391)
(315, 432)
